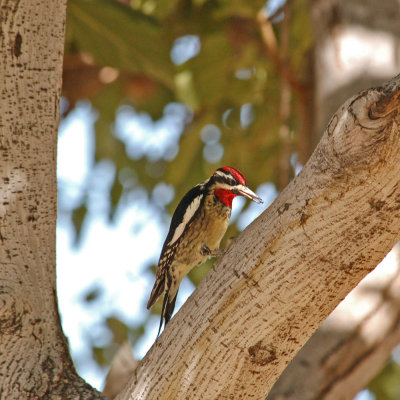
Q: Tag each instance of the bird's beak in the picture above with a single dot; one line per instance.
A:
(246, 192)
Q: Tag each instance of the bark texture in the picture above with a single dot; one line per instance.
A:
(290, 268)
(352, 345)
(357, 45)
(34, 361)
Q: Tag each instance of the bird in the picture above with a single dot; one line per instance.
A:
(197, 228)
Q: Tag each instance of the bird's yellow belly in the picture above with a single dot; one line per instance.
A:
(208, 231)
(215, 232)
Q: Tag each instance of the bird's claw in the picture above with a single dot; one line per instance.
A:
(205, 251)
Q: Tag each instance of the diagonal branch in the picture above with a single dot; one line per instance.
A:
(353, 343)
(289, 269)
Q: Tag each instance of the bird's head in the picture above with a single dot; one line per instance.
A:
(228, 182)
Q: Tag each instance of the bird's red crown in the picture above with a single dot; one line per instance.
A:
(236, 174)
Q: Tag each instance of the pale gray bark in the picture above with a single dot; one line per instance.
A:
(34, 358)
(352, 345)
(357, 45)
(264, 298)
(290, 268)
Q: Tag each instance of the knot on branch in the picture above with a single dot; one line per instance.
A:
(360, 135)
(261, 354)
(386, 106)
(10, 314)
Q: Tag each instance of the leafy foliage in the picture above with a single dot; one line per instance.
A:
(232, 71)
(110, 31)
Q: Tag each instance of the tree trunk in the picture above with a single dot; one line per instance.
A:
(262, 300)
(35, 363)
(290, 268)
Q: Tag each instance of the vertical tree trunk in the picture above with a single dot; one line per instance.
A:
(35, 362)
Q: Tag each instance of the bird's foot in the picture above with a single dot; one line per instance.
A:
(217, 253)
(205, 251)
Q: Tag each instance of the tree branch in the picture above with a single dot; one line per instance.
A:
(352, 345)
(271, 45)
(289, 269)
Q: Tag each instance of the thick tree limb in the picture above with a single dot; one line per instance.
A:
(289, 269)
(34, 362)
(352, 345)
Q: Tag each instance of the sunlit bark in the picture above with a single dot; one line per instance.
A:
(34, 358)
(352, 345)
(290, 268)
(356, 46)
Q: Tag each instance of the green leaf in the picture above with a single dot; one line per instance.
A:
(190, 152)
(240, 8)
(78, 216)
(115, 194)
(197, 274)
(212, 69)
(99, 356)
(107, 145)
(117, 36)
(163, 8)
(118, 328)
(93, 294)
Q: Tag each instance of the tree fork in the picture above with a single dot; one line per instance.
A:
(290, 268)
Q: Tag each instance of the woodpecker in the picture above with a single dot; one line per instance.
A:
(197, 227)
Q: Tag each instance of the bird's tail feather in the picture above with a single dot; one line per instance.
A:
(167, 309)
(158, 288)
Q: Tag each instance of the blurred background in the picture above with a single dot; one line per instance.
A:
(157, 94)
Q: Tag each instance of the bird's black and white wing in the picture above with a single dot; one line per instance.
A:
(182, 218)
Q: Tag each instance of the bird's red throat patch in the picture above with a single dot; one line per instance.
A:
(225, 196)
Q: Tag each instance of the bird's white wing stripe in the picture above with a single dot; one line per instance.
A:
(194, 205)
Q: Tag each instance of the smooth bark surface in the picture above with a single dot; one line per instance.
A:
(290, 268)
(34, 358)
